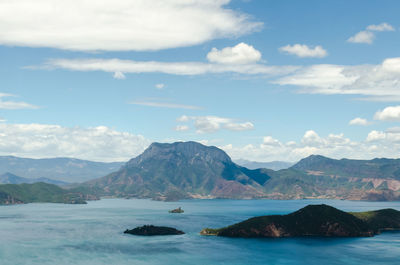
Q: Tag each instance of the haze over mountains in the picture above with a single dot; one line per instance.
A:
(68, 170)
(9, 178)
(274, 165)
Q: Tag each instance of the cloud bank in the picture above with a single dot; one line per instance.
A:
(119, 25)
(376, 144)
(42, 140)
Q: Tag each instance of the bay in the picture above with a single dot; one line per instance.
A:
(40, 233)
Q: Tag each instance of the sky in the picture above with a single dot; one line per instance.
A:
(263, 80)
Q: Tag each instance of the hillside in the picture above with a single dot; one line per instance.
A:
(38, 192)
(181, 170)
(62, 169)
(313, 220)
(379, 168)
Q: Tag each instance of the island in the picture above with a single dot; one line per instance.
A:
(177, 210)
(313, 220)
(151, 230)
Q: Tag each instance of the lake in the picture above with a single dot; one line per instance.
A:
(41, 233)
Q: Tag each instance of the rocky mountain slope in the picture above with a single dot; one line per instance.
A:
(181, 170)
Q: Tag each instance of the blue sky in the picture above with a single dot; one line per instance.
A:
(264, 80)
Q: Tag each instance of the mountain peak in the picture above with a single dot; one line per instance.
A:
(181, 150)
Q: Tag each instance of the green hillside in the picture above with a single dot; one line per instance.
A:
(313, 220)
(37, 192)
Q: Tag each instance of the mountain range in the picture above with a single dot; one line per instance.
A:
(9, 178)
(192, 170)
(183, 170)
(68, 170)
(274, 165)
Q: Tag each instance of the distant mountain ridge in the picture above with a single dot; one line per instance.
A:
(274, 165)
(9, 178)
(375, 168)
(61, 169)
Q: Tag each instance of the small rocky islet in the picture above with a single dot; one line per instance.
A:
(313, 220)
(177, 210)
(151, 230)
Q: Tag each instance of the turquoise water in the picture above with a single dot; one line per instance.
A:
(92, 234)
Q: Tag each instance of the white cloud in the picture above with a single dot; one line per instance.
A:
(239, 54)
(381, 27)
(376, 82)
(210, 124)
(302, 50)
(175, 68)
(359, 121)
(388, 114)
(160, 86)
(12, 105)
(181, 128)
(376, 136)
(269, 141)
(119, 25)
(362, 37)
(164, 105)
(42, 140)
(376, 144)
(368, 35)
(119, 75)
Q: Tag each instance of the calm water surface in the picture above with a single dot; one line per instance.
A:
(93, 234)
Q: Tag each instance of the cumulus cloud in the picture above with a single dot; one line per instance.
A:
(181, 128)
(210, 124)
(160, 86)
(159, 104)
(381, 27)
(119, 75)
(359, 121)
(376, 144)
(368, 35)
(376, 82)
(239, 54)
(42, 140)
(12, 105)
(376, 136)
(119, 25)
(363, 37)
(302, 50)
(388, 114)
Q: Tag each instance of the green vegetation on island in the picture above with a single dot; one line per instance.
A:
(313, 220)
(38, 192)
(151, 230)
(177, 210)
